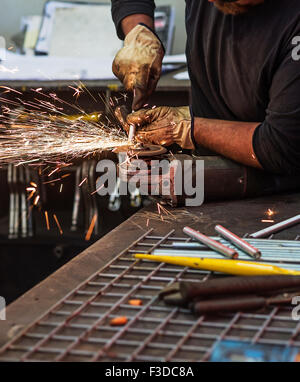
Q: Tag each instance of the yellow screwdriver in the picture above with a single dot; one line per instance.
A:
(233, 267)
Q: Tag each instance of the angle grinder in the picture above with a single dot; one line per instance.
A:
(135, 148)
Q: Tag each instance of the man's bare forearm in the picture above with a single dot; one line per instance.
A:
(230, 139)
(131, 21)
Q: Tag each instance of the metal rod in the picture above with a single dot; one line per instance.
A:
(237, 241)
(76, 202)
(24, 212)
(289, 262)
(228, 252)
(16, 207)
(131, 134)
(276, 227)
(28, 205)
(11, 201)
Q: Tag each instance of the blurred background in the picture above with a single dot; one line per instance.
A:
(14, 10)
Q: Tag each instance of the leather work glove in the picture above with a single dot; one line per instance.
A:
(138, 64)
(163, 125)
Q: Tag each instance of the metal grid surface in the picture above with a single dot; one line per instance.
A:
(78, 327)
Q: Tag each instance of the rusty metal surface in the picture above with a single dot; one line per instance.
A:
(77, 328)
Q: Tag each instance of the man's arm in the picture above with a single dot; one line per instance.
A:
(230, 139)
(273, 144)
(129, 22)
(141, 11)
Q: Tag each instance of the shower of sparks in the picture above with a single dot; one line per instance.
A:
(38, 130)
(39, 133)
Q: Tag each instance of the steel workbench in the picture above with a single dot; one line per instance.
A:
(66, 316)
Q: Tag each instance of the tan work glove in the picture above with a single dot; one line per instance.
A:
(163, 125)
(138, 64)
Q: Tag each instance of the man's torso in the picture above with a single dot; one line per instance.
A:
(232, 59)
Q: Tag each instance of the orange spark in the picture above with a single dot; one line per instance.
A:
(81, 183)
(52, 172)
(91, 228)
(31, 194)
(47, 220)
(52, 181)
(270, 212)
(102, 185)
(58, 225)
(65, 175)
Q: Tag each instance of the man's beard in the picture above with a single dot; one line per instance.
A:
(231, 8)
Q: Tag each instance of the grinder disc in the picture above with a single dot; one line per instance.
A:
(148, 150)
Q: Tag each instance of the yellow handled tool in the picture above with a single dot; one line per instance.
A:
(233, 267)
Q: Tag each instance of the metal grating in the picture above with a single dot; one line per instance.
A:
(77, 327)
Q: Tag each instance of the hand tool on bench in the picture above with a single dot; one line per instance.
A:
(234, 267)
(240, 303)
(231, 293)
(231, 285)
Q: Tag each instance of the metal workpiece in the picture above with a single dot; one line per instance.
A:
(24, 212)
(76, 202)
(30, 225)
(276, 227)
(85, 197)
(131, 133)
(238, 242)
(211, 243)
(20, 207)
(77, 327)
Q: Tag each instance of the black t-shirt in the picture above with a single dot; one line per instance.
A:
(244, 68)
